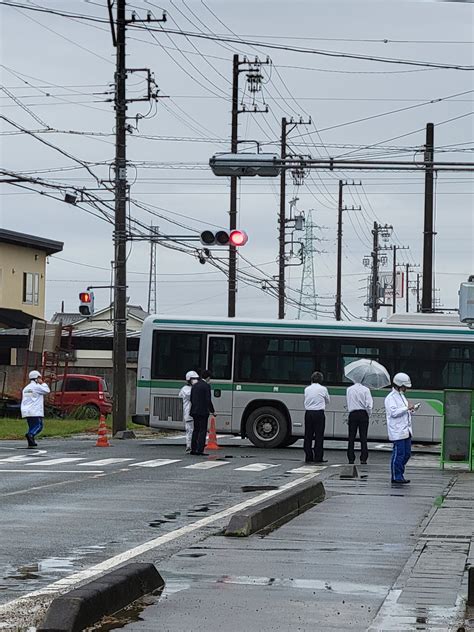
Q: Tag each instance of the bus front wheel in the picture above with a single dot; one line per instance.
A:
(267, 427)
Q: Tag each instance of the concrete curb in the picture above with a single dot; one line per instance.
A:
(274, 512)
(84, 606)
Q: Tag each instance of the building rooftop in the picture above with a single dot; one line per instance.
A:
(66, 318)
(48, 246)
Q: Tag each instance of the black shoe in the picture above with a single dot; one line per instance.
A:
(31, 441)
(403, 482)
(352, 462)
(194, 453)
(322, 461)
(363, 462)
(309, 460)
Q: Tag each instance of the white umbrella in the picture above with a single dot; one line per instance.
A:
(367, 372)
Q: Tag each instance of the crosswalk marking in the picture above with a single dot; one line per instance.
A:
(255, 467)
(106, 461)
(307, 469)
(16, 459)
(205, 465)
(57, 461)
(155, 463)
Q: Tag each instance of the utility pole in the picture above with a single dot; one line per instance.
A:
(394, 279)
(407, 288)
(339, 254)
(340, 209)
(152, 300)
(377, 231)
(285, 124)
(282, 226)
(417, 291)
(254, 80)
(119, 420)
(428, 233)
(232, 287)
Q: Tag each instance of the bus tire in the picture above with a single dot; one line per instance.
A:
(267, 427)
(290, 440)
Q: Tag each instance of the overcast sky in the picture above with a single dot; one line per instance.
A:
(62, 70)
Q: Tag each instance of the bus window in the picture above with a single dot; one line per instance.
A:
(352, 352)
(175, 353)
(457, 369)
(219, 358)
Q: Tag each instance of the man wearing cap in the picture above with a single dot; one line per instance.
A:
(185, 394)
(32, 406)
(398, 412)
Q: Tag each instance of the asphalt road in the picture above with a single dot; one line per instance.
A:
(69, 505)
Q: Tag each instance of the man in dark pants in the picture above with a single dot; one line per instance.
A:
(201, 406)
(359, 405)
(316, 397)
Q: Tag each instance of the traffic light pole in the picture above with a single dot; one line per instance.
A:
(232, 287)
(119, 420)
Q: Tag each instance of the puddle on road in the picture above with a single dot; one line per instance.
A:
(130, 614)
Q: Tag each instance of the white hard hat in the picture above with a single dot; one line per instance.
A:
(402, 379)
(33, 375)
(191, 375)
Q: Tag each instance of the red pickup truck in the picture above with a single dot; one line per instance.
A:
(84, 396)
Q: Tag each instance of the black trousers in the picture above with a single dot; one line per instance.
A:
(314, 423)
(358, 422)
(198, 440)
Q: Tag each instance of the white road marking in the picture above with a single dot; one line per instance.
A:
(58, 461)
(105, 462)
(205, 465)
(34, 471)
(155, 463)
(16, 459)
(31, 604)
(256, 467)
(308, 469)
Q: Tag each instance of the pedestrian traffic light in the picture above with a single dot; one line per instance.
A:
(223, 238)
(86, 307)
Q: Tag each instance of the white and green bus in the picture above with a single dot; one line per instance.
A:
(260, 368)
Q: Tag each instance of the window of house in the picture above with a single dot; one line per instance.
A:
(31, 288)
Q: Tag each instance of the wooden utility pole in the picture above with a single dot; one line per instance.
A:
(394, 279)
(374, 299)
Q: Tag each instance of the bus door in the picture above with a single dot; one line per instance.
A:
(220, 362)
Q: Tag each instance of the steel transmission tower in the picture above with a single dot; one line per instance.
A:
(308, 298)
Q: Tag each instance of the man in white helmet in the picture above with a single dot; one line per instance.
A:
(32, 406)
(398, 411)
(185, 394)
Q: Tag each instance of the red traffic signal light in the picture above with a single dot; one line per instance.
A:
(86, 307)
(238, 238)
(223, 238)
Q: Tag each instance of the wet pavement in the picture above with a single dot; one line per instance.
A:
(368, 557)
(70, 505)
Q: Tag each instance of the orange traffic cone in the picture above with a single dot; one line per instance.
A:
(212, 436)
(102, 441)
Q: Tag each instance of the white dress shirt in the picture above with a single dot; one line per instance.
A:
(359, 398)
(316, 397)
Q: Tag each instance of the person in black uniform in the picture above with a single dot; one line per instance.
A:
(201, 406)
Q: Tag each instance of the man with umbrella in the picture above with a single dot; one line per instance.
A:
(364, 373)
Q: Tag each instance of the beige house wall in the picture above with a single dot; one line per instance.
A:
(14, 262)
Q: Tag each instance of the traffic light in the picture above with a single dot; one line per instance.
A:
(223, 238)
(86, 307)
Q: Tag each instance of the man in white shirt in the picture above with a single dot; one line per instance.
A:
(316, 398)
(398, 412)
(32, 406)
(359, 405)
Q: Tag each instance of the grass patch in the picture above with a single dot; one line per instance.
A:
(16, 428)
